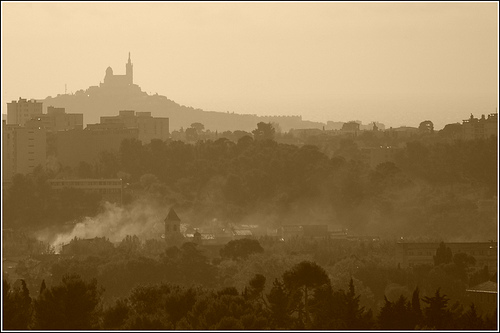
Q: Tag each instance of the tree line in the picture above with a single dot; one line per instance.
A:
(302, 298)
(439, 183)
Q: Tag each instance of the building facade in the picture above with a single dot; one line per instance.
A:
(56, 119)
(19, 112)
(75, 146)
(148, 127)
(411, 254)
(484, 296)
(110, 189)
(482, 128)
(23, 149)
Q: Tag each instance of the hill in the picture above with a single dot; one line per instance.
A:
(99, 101)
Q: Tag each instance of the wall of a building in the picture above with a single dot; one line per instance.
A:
(77, 146)
(19, 112)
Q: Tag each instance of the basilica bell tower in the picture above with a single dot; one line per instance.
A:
(129, 70)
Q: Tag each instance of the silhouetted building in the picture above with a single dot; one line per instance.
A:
(75, 146)
(306, 231)
(402, 132)
(56, 119)
(19, 112)
(411, 254)
(149, 127)
(110, 189)
(351, 127)
(173, 235)
(23, 149)
(334, 125)
(113, 80)
(483, 128)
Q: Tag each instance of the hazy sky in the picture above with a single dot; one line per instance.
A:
(397, 63)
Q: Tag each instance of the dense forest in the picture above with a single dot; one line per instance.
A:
(135, 281)
(431, 190)
(256, 272)
(303, 297)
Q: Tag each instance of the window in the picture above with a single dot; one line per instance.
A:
(167, 228)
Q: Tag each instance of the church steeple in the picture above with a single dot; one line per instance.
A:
(129, 70)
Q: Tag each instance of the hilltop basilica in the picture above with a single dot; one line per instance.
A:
(119, 81)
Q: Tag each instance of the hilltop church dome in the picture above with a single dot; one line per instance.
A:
(109, 71)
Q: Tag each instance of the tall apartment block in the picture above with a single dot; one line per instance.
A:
(23, 149)
(21, 111)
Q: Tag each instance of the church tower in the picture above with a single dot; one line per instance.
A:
(173, 235)
(129, 70)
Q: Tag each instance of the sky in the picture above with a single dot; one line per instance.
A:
(396, 63)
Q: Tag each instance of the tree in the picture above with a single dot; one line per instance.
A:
(479, 277)
(199, 127)
(241, 248)
(436, 313)
(264, 131)
(415, 306)
(443, 255)
(396, 315)
(115, 316)
(301, 281)
(470, 320)
(426, 126)
(278, 305)
(71, 305)
(191, 134)
(354, 316)
(16, 307)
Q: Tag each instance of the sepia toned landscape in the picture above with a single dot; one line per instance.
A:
(249, 166)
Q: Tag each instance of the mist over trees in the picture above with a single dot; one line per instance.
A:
(431, 190)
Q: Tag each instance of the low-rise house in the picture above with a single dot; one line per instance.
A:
(484, 296)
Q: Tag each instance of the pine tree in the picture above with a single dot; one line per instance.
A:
(278, 305)
(17, 307)
(471, 320)
(443, 255)
(415, 307)
(353, 313)
(436, 314)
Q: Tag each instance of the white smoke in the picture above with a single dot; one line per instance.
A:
(141, 219)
